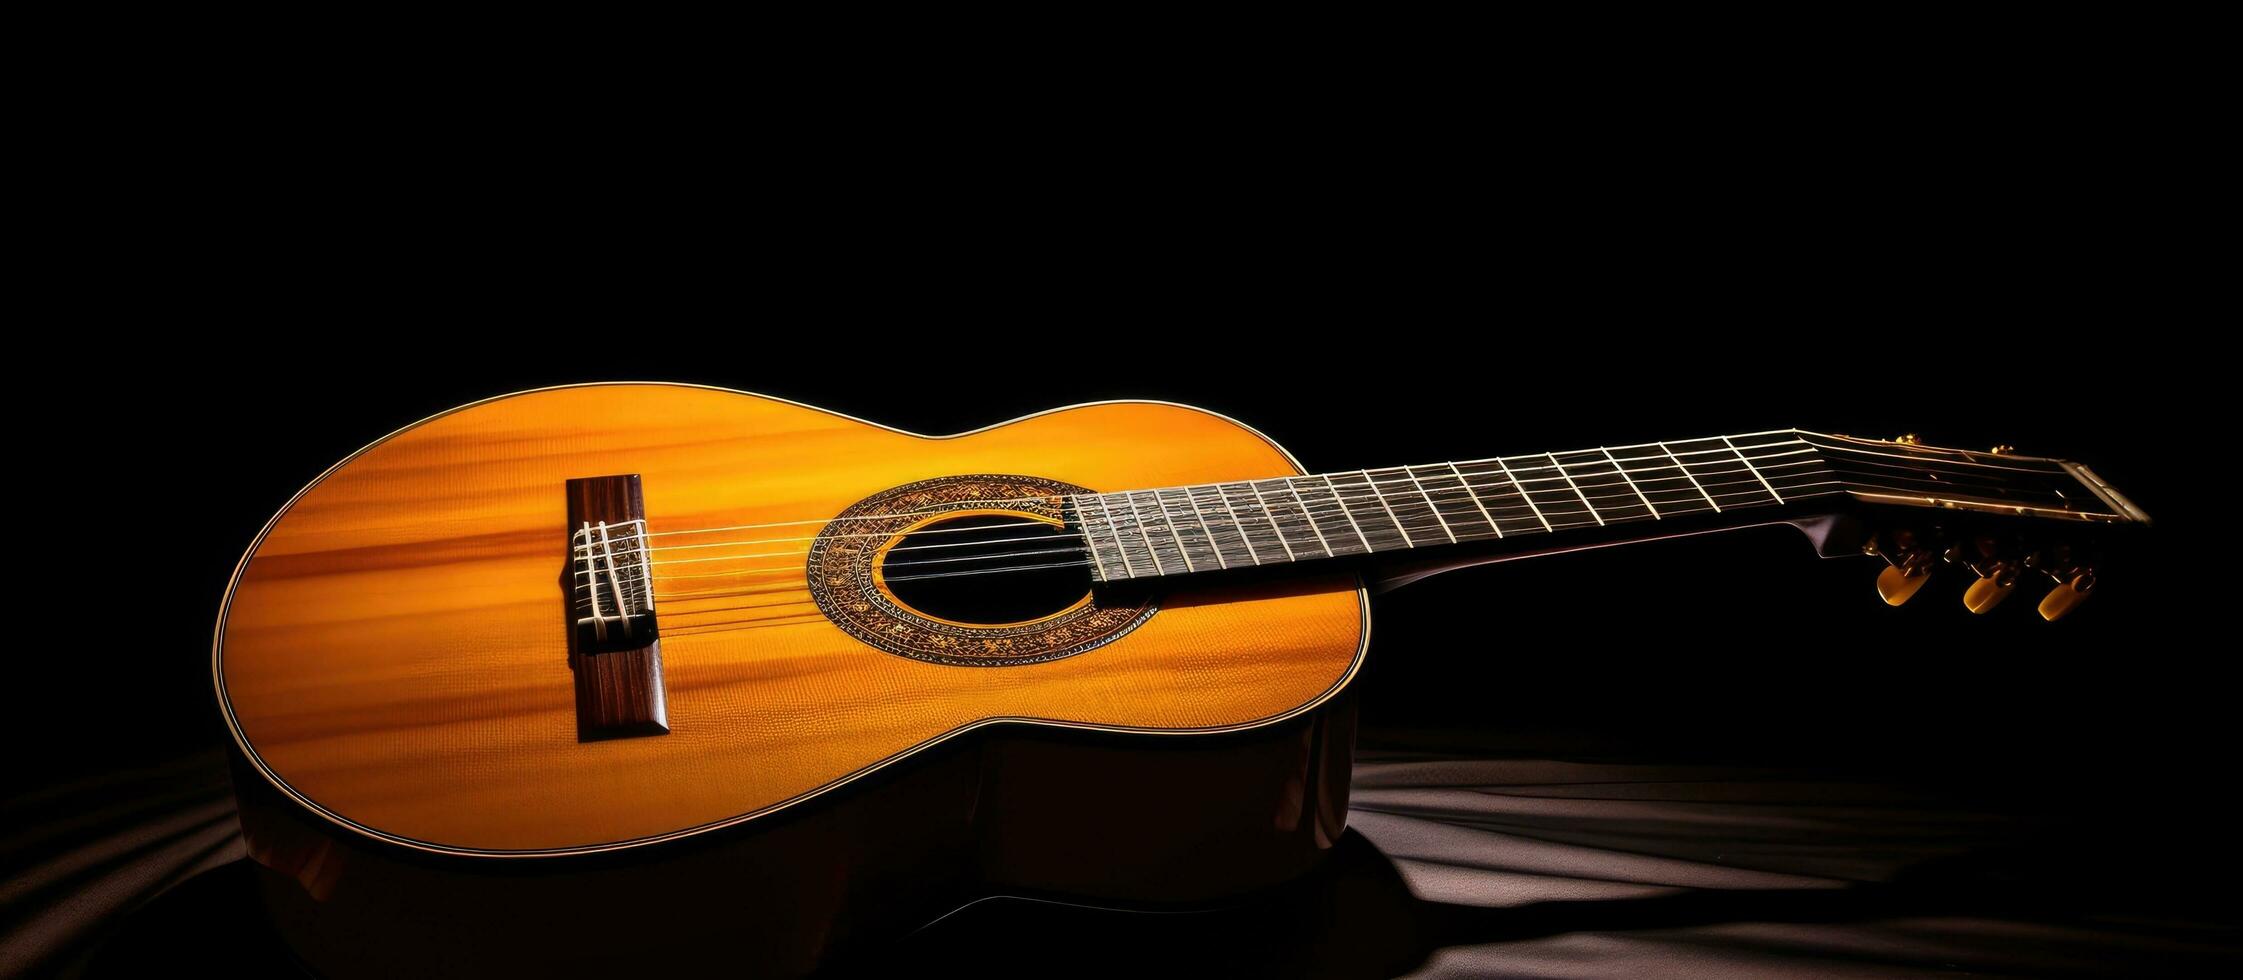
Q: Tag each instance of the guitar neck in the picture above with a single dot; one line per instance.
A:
(1732, 480)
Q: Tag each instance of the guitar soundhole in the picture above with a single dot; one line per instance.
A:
(989, 569)
(968, 571)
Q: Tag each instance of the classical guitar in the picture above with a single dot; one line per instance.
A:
(615, 674)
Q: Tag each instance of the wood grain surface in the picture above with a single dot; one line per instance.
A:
(393, 653)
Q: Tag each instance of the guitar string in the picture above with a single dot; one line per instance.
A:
(1081, 549)
(1463, 487)
(2046, 467)
(1413, 482)
(690, 627)
(1962, 482)
(1273, 526)
(1306, 516)
(1280, 525)
(1628, 498)
(1308, 513)
(1424, 501)
(1075, 549)
(797, 569)
(1561, 467)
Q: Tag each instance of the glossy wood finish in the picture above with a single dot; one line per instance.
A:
(391, 655)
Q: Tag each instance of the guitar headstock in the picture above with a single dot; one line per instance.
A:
(2010, 521)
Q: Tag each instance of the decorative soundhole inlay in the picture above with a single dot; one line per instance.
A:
(846, 574)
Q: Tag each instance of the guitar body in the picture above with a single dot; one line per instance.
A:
(435, 774)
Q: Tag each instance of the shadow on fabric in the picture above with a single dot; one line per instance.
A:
(1453, 867)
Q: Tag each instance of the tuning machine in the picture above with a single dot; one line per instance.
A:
(2075, 581)
(1996, 566)
(2067, 596)
(1908, 564)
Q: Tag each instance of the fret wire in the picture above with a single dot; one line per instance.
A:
(1523, 495)
(1403, 529)
(1476, 502)
(1331, 490)
(1616, 497)
(1576, 489)
(1647, 505)
(1207, 530)
(1731, 467)
(1113, 530)
(1504, 483)
(1170, 520)
(1083, 517)
(1692, 477)
(1349, 513)
(1561, 467)
(1303, 501)
(1169, 527)
(1139, 515)
(1366, 496)
(1266, 509)
(1555, 465)
(1223, 494)
(1429, 503)
(1443, 501)
(1755, 470)
(1220, 561)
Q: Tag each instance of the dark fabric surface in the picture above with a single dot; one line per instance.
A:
(1648, 870)
(1453, 867)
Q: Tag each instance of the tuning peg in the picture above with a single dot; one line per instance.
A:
(1909, 439)
(1899, 583)
(1989, 591)
(2005, 449)
(2067, 596)
(1908, 560)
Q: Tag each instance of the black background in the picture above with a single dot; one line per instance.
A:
(1593, 279)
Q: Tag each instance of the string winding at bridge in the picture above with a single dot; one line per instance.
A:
(616, 589)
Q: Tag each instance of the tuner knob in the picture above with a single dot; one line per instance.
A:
(1908, 563)
(1909, 439)
(1989, 591)
(2005, 449)
(1899, 583)
(2067, 597)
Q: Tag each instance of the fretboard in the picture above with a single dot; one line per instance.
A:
(1221, 526)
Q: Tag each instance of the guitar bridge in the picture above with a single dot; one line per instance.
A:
(615, 645)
